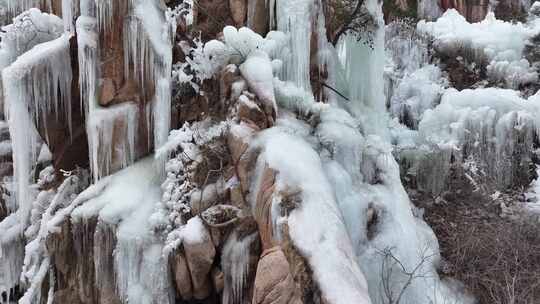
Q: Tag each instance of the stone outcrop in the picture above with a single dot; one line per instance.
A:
(474, 11)
(258, 16)
(182, 276)
(74, 259)
(274, 283)
(69, 151)
(199, 254)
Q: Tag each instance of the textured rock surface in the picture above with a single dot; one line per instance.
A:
(238, 11)
(258, 16)
(74, 259)
(473, 10)
(182, 277)
(200, 255)
(273, 282)
(263, 207)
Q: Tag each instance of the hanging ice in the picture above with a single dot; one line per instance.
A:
(294, 17)
(235, 263)
(147, 60)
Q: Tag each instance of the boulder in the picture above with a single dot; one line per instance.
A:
(250, 112)
(182, 277)
(199, 252)
(263, 207)
(274, 283)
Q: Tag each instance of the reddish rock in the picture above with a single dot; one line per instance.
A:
(200, 253)
(205, 14)
(258, 16)
(250, 112)
(107, 92)
(274, 283)
(263, 207)
(238, 11)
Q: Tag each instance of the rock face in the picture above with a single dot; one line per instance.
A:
(182, 276)
(274, 283)
(474, 10)
(75, 262)
(258, 16)
(238, 11)
(73, 152)
(200, 255)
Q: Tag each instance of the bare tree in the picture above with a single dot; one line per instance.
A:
(352, 17)
(393, 290)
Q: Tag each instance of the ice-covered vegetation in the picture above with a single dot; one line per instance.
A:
(495, 43)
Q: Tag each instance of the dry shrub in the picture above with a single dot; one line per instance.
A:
(498, 260)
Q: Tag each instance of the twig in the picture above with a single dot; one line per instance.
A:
(335, 91)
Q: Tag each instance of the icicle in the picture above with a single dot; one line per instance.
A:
(364, 69)
(69, 11)
(147, 46)
(40, 81)
(52, 284)
(87, 40)
(235, 264)
(103, 252)
(295, 17)
(104, 14)
(142, 273)
(33, 293)
(11, 261)
(162, 112)
(15, 7)
(271, 5)
(430, 9)
(112, 133)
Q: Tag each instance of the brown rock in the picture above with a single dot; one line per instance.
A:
(238, 141)
(200, 253)
(250, 112)
(474, 11)
(218, 280)
(205, 14)
(128, 92)
(3, 209)
(274, 283)
(107, 92)
(263, 207)
(182, 278)
(228, 76)
(238, 11)
(237, 196)
(258, 16)
(245, 163)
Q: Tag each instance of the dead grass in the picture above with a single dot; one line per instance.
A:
(496, 258)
